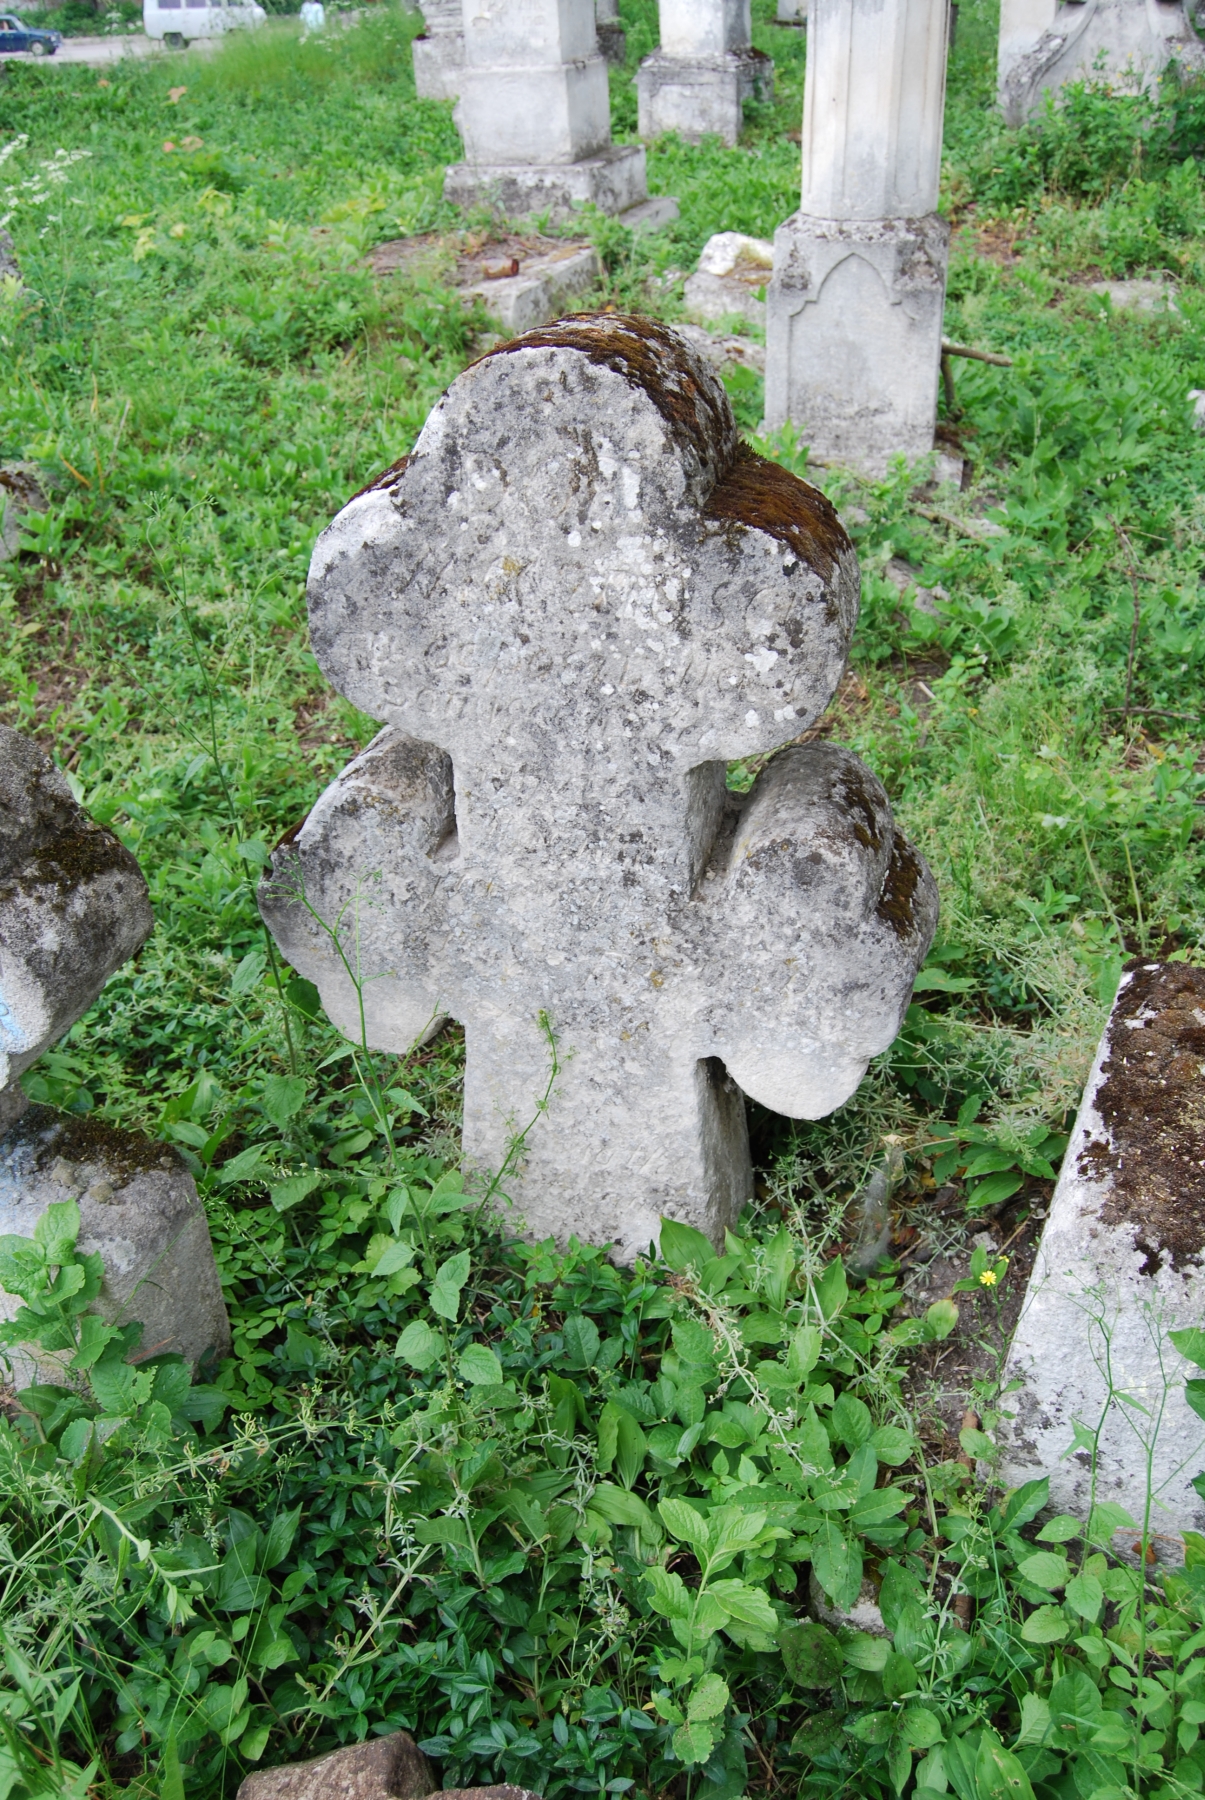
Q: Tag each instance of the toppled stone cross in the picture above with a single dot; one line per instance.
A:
(575, 602)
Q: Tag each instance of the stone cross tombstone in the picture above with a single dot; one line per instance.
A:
(696, 83)
(439, 53)
(573, 604)
(854, 308)
(1122, 1263)
(73, 908)
(535, 117)
(1044, 44)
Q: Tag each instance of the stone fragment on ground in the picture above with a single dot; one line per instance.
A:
(381, 1768)
(522, 279)
(863, 1615)
(546, 811)
(1137, 296)
(140, 1210)
(22, 490)
(73, 908)
(722, 350)
(1122, 1261)
(731, 273)
(1196, 398)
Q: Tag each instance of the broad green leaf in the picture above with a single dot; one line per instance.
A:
(569, 1404)
(393, 1255)
(870, 1727)
(630, 1449)
(618, 1507)
(1060, 1530)
(95, 1336)
(941, 1318)
(899, 1676)
(818, 1733)
(478, 1365)
(708, 1698)
(976, 1443)
(418, 1345)
(608, 1436)
(1085, 1596)
(682, 1246)
(1045, 1568)
(294, 1189)
(832, 1289)
(892, 1445)
(999, 1775)
(920, 1728)
(1045, 1625)
(811, 1654)
(1190, 1343)
(442, 1531)
(283, 1098)
(852, 1421)
(804, 1351)
(75, 1439)
(779, 1266)
(668, 1593)
(1107, 1516)
(450, 1277)
(581, 1342)
(694, 1741)
(57, 1230)
(245, 1166)
(746, 1604)
(991, 1191)
(878, 1506)
(278, 1540)
(862, 1650)
(683, 1522)
(1035, 1720)
(1026, 1501)
(837, 1563)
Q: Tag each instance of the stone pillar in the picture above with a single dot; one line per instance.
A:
(1044, 45)
(535, 117)
(706, 68)
(439, 52)
(854, 309)
(612, 38)
(792, 12)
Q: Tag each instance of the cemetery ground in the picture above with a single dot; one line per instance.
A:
(446, 1481)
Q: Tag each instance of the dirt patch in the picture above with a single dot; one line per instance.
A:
(82, 1139)
(461, 258)
(1152, 1100)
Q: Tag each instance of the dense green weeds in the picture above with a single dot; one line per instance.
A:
(392, 1514)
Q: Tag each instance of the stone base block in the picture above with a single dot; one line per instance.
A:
(1127, 44)
(853, 336)
(546, 288)
(560, 113)
(139, 1208)
(703, 97)
(438, 65)
(651, 214)
(614, 181)
(791, 12)
(1121, 1262)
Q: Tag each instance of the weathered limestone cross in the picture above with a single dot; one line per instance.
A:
(573, 604)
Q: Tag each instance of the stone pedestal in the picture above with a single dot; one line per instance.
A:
(1121, 1262)
(792, 12)
(1128, 43)
(612, 38)
(439, 52)
(706, 68)
(535, 117)
(854, 309)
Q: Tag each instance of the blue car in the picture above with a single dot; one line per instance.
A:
(16, 36)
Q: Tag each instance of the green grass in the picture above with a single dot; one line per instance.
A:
(206, 369)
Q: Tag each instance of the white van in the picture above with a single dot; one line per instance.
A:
(178, 21)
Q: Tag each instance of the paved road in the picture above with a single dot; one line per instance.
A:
(98, 52)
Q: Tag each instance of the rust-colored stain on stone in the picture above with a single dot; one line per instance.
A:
(1152, 1099)
(650, 356)
(767, 497)
(903, 877)
(387, 479)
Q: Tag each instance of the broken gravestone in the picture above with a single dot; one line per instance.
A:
(1122, 1262)
(574, 603)
(1045, 44)
(382, 1768)
(730, 279)
(73, 908)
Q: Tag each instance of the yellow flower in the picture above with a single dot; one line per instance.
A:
(988, 1278)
